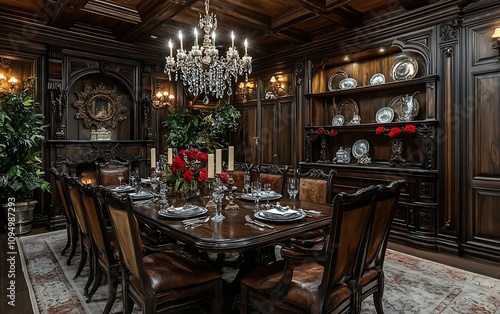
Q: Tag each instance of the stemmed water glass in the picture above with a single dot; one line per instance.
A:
(246, 182)
(293, 189)
(154, 183)
(163, 193)
(256, 193)
(120, 177)
(218, 195)
(268, 191)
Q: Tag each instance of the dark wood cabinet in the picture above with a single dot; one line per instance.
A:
(410, 156)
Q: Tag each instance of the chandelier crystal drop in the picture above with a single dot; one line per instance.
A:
(202, 70)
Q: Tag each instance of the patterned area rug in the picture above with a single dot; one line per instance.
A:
(413, 285)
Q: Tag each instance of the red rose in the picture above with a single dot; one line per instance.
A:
(380, 130)
(320, 131)
(394, 132)
(178, 164)
(202, 156)
(224, 177)
(188, 175)
(332, 133)
(203, 175)
(183, 152)
(410, 129)
(192, 154)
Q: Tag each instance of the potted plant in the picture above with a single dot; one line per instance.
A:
(22, 130)
(206, 129)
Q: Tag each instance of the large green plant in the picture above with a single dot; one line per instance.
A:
(21, 132)
(206, 129)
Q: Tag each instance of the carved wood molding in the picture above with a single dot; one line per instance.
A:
(101, 106)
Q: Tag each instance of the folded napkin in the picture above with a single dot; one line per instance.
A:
(184, 209)
(280, 214)
(123, 187)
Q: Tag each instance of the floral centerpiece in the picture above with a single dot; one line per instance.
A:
(188, 170)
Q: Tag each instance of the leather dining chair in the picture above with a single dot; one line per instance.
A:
(372, 279)
(71, 223)
(105, 250)
(160, 280)
(239, 175)
(315, 185)
(107, 172)
(317, 281)
(274, 175)
(84, 238)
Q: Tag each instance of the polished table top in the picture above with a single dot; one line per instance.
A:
(232, 234)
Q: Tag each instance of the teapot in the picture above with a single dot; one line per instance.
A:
(409, 108)
(343, 156)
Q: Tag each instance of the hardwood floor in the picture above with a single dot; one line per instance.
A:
(23, 301)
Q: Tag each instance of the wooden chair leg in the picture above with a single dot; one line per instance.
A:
(112, 285)
(74, 244)
(68, 236)
(128, 302)
(378, 295)
(218, 303)
(91, 276)
(244, 300)
(98, 280)
(83, 260)
(149, 304)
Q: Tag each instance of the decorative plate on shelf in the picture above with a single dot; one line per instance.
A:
(348, 83)
(349, 109)
(360, 149)
(404, 69)
(377, 79)
(338, 120)
(384, 115)
(403, 112)
(335, 79)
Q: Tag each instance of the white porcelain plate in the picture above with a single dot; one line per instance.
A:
(338, 120)
(377, 79)
(404, 69)
(348, 83)
(384, 115)
(360, 148)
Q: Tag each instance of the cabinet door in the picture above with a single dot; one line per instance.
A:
(243, 137)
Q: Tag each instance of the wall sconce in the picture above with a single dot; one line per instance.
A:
(12, 83)
(244, 89)
(162, 98)
(277, 84)
(496, 38)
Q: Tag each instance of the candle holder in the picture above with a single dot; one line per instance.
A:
(210, 204)
(230, 197)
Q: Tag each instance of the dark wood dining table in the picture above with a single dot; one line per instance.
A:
(233, 234)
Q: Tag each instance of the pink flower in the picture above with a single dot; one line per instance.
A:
(380, 130)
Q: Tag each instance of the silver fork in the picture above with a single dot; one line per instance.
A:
(257, 223)
(196, 224)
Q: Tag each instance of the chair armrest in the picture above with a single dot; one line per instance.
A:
(308, 243)
(169, 247)
(298, 254)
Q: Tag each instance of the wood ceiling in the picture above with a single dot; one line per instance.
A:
(271, 26)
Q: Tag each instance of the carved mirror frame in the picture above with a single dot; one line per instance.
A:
(101, 106)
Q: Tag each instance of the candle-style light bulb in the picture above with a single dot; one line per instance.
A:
(232, 39)
(246, 47)
(195, 37)
(170, 46)
(180, 38)
(213, 39)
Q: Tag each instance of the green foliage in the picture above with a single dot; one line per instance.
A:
(207, 129)
(21, 132)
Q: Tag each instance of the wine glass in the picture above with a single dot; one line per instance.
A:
(293, 189)
(256, 189)
(163, 193)
(267, 190)
(154, 183)
(218, 195)
(246, 182)
(120, 177)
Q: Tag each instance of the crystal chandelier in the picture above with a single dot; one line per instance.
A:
(202, 70)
